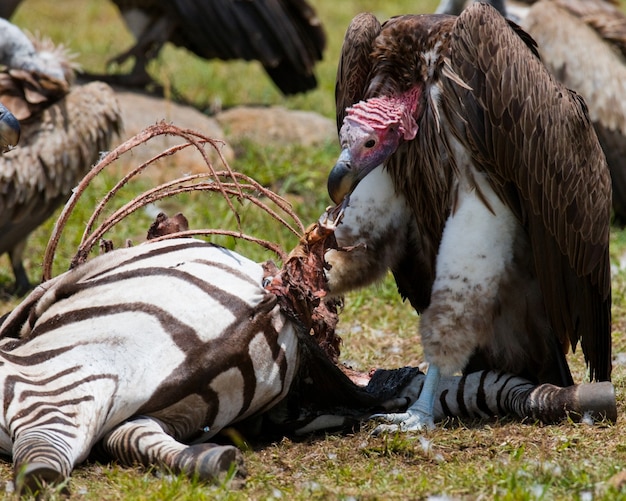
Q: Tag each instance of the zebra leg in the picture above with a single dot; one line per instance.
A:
(549, 403)
(489, 393)
(145, 441)
(40, 459)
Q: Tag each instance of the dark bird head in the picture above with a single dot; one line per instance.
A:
(372, 130)
(9, 130)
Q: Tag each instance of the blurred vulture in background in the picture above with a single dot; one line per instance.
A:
(285, 36)
(64, 129)
(583, 44)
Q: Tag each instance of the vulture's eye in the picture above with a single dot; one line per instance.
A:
(370, 143)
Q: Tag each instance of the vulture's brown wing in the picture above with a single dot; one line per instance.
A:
(355, 63)
(583, 43)
(285, 36)
(538, 147)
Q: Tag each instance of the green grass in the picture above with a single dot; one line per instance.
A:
(500, 460)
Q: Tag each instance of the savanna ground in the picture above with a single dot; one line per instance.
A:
(502, 459)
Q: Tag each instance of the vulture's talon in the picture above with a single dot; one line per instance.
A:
(404, 421)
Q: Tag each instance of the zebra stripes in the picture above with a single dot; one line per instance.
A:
(148, 441)
(311, 406)
(179, 330)
(148, 352)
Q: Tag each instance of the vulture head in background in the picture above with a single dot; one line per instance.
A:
(505, 253)
(9, 130)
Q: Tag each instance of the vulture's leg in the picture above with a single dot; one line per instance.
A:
(22, 284)
(150, 36)
(148, 45)
(475, 256)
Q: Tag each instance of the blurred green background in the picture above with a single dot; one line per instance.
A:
(505, 461)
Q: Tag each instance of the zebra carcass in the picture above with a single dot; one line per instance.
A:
(149, 351)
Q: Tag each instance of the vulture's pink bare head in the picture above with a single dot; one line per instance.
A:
(371, 132)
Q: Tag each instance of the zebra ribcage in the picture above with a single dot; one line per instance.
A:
(154, 329)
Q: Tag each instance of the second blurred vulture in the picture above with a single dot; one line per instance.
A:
(285, 36)
(64, 129)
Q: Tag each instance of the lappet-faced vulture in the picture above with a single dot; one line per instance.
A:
(507, 187)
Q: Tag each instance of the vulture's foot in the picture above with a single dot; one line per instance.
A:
(132, 80)
(420, 415)
(411, 420)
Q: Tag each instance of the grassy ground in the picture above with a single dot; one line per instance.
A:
(459, 460)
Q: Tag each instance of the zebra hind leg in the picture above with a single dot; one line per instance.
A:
(37, 479)
(39, 462)
(145, 441)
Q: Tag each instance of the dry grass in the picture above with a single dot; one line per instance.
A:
(502, 460)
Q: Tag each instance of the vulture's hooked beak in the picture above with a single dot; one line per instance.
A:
(341, 180)
(9, 129)
(344, 176)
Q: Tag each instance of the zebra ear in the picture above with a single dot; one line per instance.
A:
(164, 225)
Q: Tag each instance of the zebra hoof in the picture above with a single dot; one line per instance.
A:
(210, 462)
(34, 478)
(597, 400)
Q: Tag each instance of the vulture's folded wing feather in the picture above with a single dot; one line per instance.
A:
(535, 141)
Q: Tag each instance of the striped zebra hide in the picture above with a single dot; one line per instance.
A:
(149, 351)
